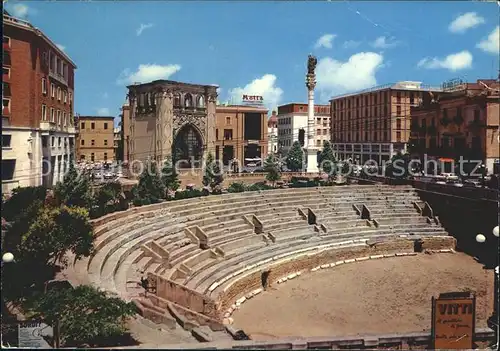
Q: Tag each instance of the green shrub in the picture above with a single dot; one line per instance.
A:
(236, 187)
(259, 186)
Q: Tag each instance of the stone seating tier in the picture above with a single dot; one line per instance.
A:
(122, 253)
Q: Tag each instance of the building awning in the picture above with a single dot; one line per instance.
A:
(444, 159)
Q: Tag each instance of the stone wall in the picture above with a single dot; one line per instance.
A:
(183, 296)
(253, 281)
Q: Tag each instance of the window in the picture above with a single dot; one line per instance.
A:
(105, 126)
(44, 112)
(216, 134)
(92, 142)
(398, 110)
(398, 123)
(412, 99)
(52, 90)
(59, 140)
(52, 141)
(64, 119)
(52, 115)
(6, 58)
(44, 141)
(65, 97)
(44, 86)
(70, 97)
(6, 139)
(398, 136)
(8, 167)
(228, 134)
(58, 94)
(398, 97)
(82, 142)
(92, 125)
(477, 115)
(228, 120)
(92, 157)
(105, 156)
(105, 142)
(6, 106)
(6, 41)
(58, 116)
(6, 72)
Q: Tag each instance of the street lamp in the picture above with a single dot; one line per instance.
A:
(7, 257)
(493, 319)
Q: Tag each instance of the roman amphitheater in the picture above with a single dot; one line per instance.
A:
(287, 268)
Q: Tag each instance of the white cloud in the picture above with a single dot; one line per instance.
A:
(20, 10)
(491, 44)
(384, 43)
(147, 73)
(264, 86)
(351, 44)
(358, 72)
(143, 27)
(466, 21)
(103, 111)
(325, 41)
(61, 47)
(453, 62)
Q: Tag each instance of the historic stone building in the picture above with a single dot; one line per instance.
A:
(171, 119)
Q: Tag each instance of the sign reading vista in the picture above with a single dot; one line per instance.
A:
(453, 321)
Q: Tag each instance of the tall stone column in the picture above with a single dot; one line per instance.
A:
(312, 150)
(164, 115)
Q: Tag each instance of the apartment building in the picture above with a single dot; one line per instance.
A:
(241, 133)
(95, 139)
(292, 125)
(459, 122)
(374, 124)
(37, 107)
(117, 143)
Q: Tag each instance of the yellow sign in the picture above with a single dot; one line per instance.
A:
(453, 321)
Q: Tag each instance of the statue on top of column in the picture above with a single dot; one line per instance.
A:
(311, 64)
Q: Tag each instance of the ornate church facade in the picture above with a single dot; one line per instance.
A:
(171, 120)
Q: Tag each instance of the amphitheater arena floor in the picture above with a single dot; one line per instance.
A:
(391, 295)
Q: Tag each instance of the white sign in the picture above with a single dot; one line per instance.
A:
(31, 334)
(252, 99)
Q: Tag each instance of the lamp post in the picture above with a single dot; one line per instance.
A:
(7, 257)
(493, 319)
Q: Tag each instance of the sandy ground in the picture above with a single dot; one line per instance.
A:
(390, 295)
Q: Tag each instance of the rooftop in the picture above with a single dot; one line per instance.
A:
(403, 85)
(96, 117)
(22, 24)
(171, 82)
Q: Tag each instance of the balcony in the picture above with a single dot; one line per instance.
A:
(47, 127)
(58, 77)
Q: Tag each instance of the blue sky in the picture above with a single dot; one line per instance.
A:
(262, 47)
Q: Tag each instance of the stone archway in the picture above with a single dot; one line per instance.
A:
(188, 147)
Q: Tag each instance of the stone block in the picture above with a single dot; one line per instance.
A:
(333, 264)
(399, 254)
(362, 259)
(390, 255)
(291, 276)
(374, 257)
(350, 260)
(323, 266)
(213, 286)
(241, 300)
(338, 263)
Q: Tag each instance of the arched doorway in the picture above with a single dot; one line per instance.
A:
(188, 147)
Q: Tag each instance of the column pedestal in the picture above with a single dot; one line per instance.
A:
(312, 160)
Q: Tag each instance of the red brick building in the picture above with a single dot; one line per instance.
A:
(37, 108)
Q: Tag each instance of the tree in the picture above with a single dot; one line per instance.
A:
(74, 190)
(271, 167)
(150, 188)
(212, 175)
(327, 160)
(106, 199)
(21, 199)
(295, 157)
(84, 314)
(398, 168)
(54, 232)
(169, 176)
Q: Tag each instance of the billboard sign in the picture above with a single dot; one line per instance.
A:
(252, 100)
(453, 321)
(31, 334)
